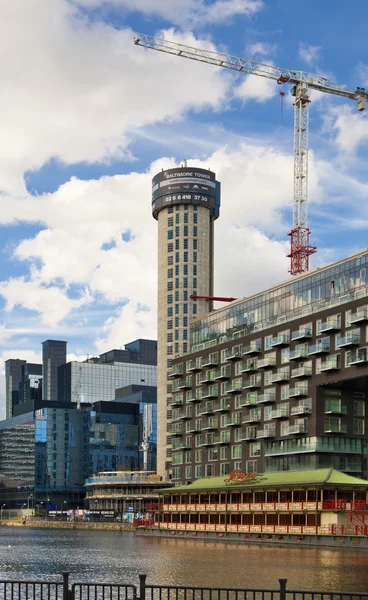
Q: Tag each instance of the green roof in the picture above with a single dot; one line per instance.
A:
(317, 477)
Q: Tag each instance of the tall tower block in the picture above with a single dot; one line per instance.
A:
(185, 202)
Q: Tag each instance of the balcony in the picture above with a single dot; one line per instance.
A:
(301, 372)
(208, 377)
(280, 413)
(336, 428)
(336, 409)
(193, 399)
(298, 354)
(234, 420)
(223, 373)
(303, 408)
(299, 428)
(178, 415)
(177, 429)
(234, 354)
(253, 382)
(234, 387)
(222, 438)
(298, 391)
(280, 340)
(193, 429)
(253, 348)
(194, 365)
(350, 339)
(269, 432)
(177, 400)
(208, 440)
(359, 316)
(267, 361)
(186, 383)
(254, 416)
(207, 410)
(359, 357)
(212, 392)
(332, 363)
(211, 361)
(250, 434)
(181, 446)
(329, 325)
(223, 406)
(282, 375)
(211, 424)
(250, 365)
(304, 333)
(320, 348)
(267, 397)
(251, 399)
(177, 371)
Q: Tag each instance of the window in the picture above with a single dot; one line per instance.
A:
(185, 321)
(185, 244)
(186, 216)
(185, 230)
(170, 210)
(176, 473)
(185, 295)
(198, 456)
(177, 207)
(185, 334)
(209, 470)
(198, 471)
(185, 347)
(224, 468)
(169, 363)
(255, 449)
(251, 466)
(170, 247)
(359, 408)
(194, 309)
(195, 245)
(169, 298)
(170, 222)
(195, 218)
(177, 284)
(194, 270)
(170, 234)
(177, 257)
(185, 309)
(177, 270)
(188, 472)
(177, 231)
(170, 260)
(176, 348)
(176, 309)
(176, 296)
(176, 321)
(194, 256)
(236, 452)
(169, 311)
(194, 282)
(185, 269)
(177, 244)
(223, 453)
(358, 426)
(185, 256)
(195, 231)
(177, 219)
(169, 286)
(169, 337)
(169, 350)
(169, 273)
(176, 334)
(170, 324)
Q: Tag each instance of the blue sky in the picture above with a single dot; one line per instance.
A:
(87, 118)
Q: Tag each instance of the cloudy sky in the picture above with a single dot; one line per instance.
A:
(87, 117)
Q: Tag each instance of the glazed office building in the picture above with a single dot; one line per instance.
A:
(185, 202)
(277, 381)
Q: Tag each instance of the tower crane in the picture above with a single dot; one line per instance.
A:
(300, 245)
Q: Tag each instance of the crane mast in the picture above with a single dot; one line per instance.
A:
(300, 246)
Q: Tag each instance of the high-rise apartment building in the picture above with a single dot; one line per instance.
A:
(278, 381)
(185, 202)
(53, 355)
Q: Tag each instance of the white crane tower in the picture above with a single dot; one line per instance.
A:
(147, 431)
(300, 246)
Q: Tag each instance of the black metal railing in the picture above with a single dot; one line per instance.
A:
(64, 590)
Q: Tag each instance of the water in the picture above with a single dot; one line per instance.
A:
(120, 557)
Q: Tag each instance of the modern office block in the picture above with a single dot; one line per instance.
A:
(277, 381)
(13, 376)
(53, 355)
(185, 202)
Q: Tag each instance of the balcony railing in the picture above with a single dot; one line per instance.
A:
(250, 365)
(208, 440)
(266, 433)
(234, 353)
(266, 397)
(223, 373)
(222, 438)
(234, 386)
(251, 399)
(253, 348)
(211, 361)
(336, 409)
(252, 382)
(194, 365)
(332, 363)
(280, 413)
(336, 428)
(350, 339)
(207, 409)
(177, 400)
(359, 357)
(185, 383)
(301, 372)
(223, 406)
(211, 424)
(283, 375)
(303, 333)
(320, 348)
(280, 340)
(298, 391)
(193, 428)
(212, 392)
(250, 433)
(299, 428)
(254, 416)
(234, 420)
(303, 408)
(298, 354)
(177, 429)
(359, 316)
(329, 325)
(177, 371)
(267, 361)
(208, 377)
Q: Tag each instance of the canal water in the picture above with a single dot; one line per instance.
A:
(120, 557)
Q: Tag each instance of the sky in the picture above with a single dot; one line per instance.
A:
(87, 118)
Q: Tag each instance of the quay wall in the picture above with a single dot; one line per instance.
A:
(42, 523)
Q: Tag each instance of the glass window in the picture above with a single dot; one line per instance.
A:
(169, 324)
(185, 269)
(176, 309)
(186, 216)
(169, 286)
(185, 308)
(176, 296)
(194, 256)
(185, 244)
(169, 298)
(170, 311)
(170, 222)
(170, 210)
(170, 260)
(185, 282)
(169, 273)
(185, 230)
(185, 256)
(177, 218)
(194, 308)
(194, 282)
(177, 269)
(176, 347)
(177, 244)
(194, 269)
(195, 231)
(195, 218)
(185, 321)
(195, 245)
(177, 231)
(170, 247)
(177, 257)
(185, 334)
(176, 321)
(170, 234)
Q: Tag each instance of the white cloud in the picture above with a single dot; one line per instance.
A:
(261, 49)
(308, 53)
(349, 126)
(76, 89)
(131, 323)
(193, 13)
(256, 88)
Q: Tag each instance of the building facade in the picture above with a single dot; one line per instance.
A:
(53, 355)
(277, 381)
(13, 377)
(185, 202)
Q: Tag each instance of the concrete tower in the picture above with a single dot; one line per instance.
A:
(185, 202)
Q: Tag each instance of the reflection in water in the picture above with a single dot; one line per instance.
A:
(113, 556)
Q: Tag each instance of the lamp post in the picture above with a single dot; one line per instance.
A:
(2, 508)
(29, 502)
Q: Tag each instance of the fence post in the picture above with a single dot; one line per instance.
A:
(142, 587)
(65, 575)
(282, 583)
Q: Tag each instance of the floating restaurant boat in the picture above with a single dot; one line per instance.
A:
(319, 507)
